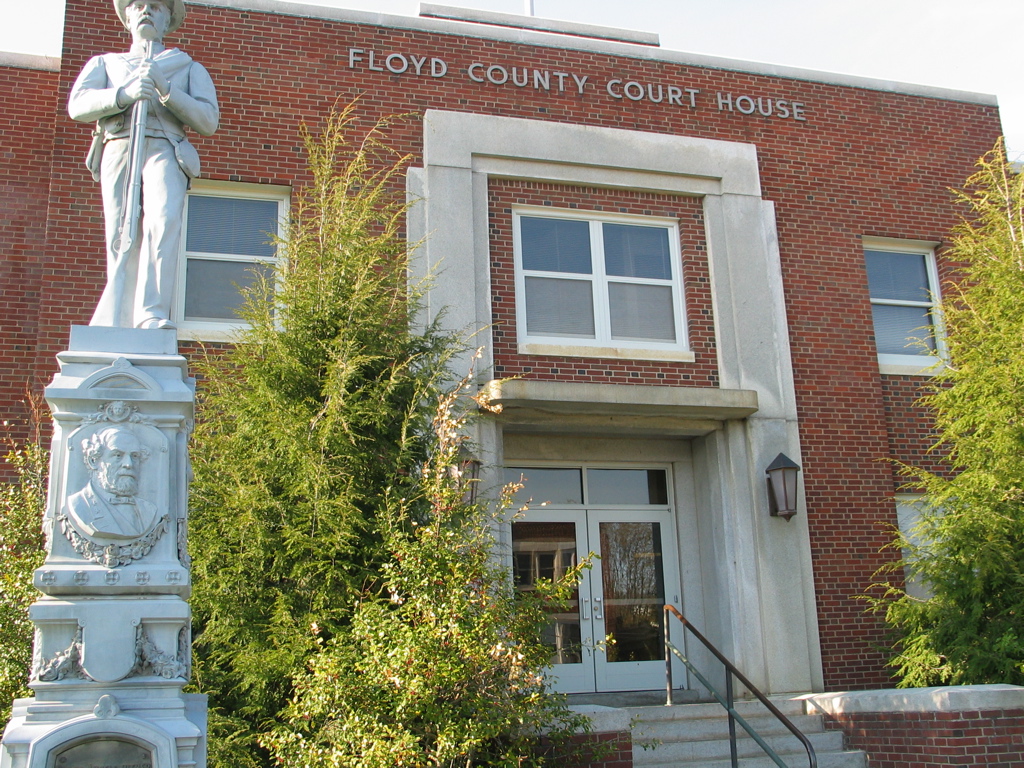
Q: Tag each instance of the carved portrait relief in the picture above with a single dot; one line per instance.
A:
(109, 506)
(115, 504)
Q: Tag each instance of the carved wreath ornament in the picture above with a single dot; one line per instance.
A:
(111, 555)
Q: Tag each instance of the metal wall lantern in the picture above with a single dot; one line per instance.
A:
(782, 474)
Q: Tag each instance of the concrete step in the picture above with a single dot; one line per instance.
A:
(705, 728)
(752, 707)
(698, 735)
(701, 752)
(825, 760)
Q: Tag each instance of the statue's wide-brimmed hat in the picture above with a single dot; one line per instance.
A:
(177, 12)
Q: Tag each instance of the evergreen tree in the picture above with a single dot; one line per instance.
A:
(968, 549)
(303, 426)
(327, 519)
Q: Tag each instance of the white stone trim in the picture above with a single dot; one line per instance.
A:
(953, 698)
(29, 61)
(557, 26)
(757, 596)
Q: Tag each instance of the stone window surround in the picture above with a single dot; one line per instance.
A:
(757, 563)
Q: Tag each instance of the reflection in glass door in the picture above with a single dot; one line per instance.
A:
(610, 636)
(547, 551)
(633, 588)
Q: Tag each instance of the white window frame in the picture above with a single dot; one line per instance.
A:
(602, 345)
(909, 508)
(911, 364)
(222, 330)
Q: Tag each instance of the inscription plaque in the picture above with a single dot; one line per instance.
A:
(104, 752)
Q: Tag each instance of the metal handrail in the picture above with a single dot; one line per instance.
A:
(731, 671)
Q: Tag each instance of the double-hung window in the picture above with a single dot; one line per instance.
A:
(227, 241)
(904, 293)
(595, 283)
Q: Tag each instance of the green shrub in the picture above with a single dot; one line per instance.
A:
(441, 665)
(22, 503)
(312, 494)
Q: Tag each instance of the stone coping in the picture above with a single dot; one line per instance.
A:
(29, 61)
(604, 719)
(953, 698)
(539, 23)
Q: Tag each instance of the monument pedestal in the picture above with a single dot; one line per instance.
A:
(112, 647)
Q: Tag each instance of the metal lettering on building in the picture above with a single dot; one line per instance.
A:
(622, 90)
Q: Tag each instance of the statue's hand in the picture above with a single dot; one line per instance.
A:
(152, 70)
(140, 86)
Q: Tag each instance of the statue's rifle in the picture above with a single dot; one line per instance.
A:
(132, 210)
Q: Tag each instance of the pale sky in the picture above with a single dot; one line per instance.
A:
(969, 46)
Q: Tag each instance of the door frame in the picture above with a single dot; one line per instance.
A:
(595, 675)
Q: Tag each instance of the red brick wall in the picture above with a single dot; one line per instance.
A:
(503, 194)
(600, 750)
(992, 738)
(911, 431)
(863, 163)
(26, 138)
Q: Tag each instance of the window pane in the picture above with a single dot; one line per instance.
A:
(897, 276)
(551, 485)
(231, 225)
(633, 584)
(559, 307)
(555, 245)
(547, 551)
(641, 312)
(626, 486)
(212, 287)
(898, 328)
(631, 251)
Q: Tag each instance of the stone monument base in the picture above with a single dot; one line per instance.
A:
(146, 724)
(112, 649)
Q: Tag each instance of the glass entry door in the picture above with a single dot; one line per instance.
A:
(610, 636)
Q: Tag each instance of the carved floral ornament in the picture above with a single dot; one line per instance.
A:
(111, 555)
(66, 664)
(149, 659)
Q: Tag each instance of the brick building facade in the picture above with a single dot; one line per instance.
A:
(681, 266)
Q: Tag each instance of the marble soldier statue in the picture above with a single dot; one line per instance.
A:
(109, 505)
(170, 91)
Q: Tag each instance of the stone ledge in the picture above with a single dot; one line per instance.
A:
(624, 409)
(604, 719)
(705, 402)
(29, 61)
(954, 698)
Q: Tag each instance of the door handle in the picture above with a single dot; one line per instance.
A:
(598, 609)
(583, 603)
